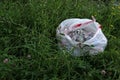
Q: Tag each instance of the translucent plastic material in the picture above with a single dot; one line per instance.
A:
(82, 36)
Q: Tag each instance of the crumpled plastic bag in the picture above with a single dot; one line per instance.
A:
(82, 36)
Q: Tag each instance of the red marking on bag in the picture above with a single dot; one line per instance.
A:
(78, 25)
(100, 26)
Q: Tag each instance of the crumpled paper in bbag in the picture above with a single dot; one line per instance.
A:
(82, 36)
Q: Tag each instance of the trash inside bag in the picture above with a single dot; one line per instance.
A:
(81, 36)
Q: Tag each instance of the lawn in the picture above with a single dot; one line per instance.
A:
(28, 45)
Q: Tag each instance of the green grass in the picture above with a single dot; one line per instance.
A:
(28, 46)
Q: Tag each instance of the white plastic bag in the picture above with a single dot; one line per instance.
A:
(81, 36)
